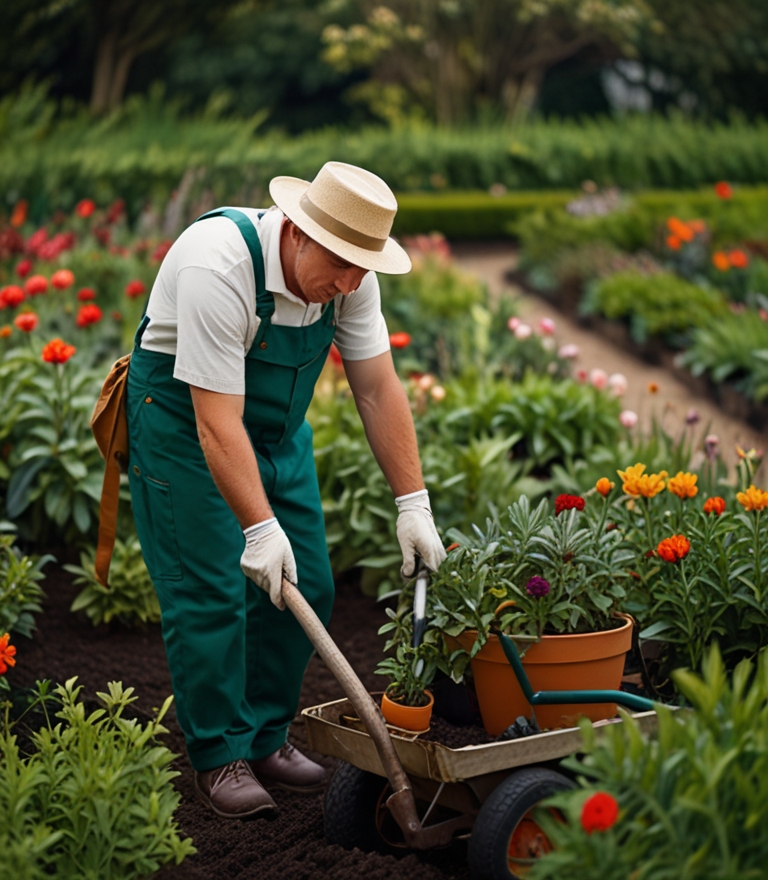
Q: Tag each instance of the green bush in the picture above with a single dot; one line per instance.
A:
(693, 800)
(94, 797)
(20, 590)
(662, 304)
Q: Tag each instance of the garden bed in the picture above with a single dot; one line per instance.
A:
(292, 845)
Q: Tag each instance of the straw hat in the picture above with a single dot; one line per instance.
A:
(347, 210)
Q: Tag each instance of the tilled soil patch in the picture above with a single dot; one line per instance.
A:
(291, 845)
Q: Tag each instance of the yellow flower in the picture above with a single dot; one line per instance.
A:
(753, 499)
(604, 486)
(637, 483)
(683, 485)
(630, 477)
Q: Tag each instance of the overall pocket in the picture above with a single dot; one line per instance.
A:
(156, 526)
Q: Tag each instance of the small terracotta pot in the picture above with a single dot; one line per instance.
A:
(587, 661)
(407, 717)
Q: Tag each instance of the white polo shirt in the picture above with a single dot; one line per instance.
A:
(202, 307)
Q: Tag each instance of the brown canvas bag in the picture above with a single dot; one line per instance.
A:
(109, 424)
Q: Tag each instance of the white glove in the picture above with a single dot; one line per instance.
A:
(417, 534)
(268, 557)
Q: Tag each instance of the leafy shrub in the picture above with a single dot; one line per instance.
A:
(130, 597)
(693, 800)
(94, 798)
(20, 590)
(662, 304)
(733, 347)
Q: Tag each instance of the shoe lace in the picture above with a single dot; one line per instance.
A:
(286, 749)
(235, 769)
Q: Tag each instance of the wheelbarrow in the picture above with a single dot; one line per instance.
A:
(396, 791)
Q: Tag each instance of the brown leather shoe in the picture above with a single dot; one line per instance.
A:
(287, 768)
(232, 791)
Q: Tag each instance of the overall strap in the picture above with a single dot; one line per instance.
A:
(265, 302)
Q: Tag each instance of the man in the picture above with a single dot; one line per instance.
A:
(238, 325)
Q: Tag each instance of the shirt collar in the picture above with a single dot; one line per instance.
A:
(269, 227)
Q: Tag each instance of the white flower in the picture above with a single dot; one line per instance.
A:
(568, 352)
(426, 381)
(628, 418)
(438, 393)
(618, 384)
(522, 331)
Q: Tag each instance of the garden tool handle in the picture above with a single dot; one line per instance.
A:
(361, 700)
(420, 603)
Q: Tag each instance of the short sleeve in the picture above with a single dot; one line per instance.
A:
(213, 323)
(361, 330)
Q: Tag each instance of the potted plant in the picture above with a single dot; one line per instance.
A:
(406, 702)
(553, 580)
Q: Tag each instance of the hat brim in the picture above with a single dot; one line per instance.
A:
(286, 193)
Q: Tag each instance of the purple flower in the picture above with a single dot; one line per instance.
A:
(537, 587)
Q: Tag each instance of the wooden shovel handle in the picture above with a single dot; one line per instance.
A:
(361, 700)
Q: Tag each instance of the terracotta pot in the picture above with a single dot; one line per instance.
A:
(593, 661)
(407, 717)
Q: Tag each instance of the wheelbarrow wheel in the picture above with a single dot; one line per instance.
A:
(352, 802)
(506, 840)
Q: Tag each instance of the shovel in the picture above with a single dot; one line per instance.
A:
(401, 802)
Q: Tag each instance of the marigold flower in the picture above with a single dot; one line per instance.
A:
(57, 351)
(723, 190)
(85, 207)
(11, 296)
(600, 812)
(26, 321)
(568, 502)
(720, 261)
(36, 285)
(680, 229)
(640, 484)
(135, 288)
(399, 340)
(604, 486)
(738, 259)
(23, 268)
(683, 485)
(86, 294)
(19, 215)
(537, 587)
(88, 314)
(753, 498)
(674, 243)
(674, 549)
(698, 226)
(5, 331)
(7, 654)
(653, 387)
(715, 505)
(62, 279)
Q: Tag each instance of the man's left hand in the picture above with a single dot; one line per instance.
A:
(417, 534)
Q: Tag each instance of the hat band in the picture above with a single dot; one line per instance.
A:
(339, 229)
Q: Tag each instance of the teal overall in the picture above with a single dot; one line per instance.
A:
(236, 662)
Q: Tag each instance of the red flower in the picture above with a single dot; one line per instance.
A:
(24, 268)
(115, 210)
(568, 502)
(26, 321)
(85, 207)
(57, 352)
(88, 314)
(11, 296)
(134, 289)
(399, 340)
(63, 279)
(723, 190)
(35, 240)
(715, 505)
(674, 549)
(738, 259)
(103, 235)
(335, 355)
(158, 254)
(600, 812)
(35, 285)
(7, 654)
(86, 294)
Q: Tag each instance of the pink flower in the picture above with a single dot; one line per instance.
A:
(522, 331)
(581, 376)
(617, 383)
(598, 378)
(568, 352)
(628, 418)
(513, 324)
(547, 326)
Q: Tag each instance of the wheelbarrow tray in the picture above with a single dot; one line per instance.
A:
(329, 734)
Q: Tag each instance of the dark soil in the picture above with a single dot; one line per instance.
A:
(292, 845)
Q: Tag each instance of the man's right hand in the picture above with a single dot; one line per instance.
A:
(268, 557)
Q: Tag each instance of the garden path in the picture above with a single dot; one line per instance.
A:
(492, 261)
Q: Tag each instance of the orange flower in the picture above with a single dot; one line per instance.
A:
(653, 388)
(698, 226)
(57, 352)
(674, 549)
(5, 331)
(683, 485)
(753, 499)
(7, 654)
(682, 230)
(738, 259)
(715, 505)
(674, 243)
(723, 189)
(604, 486)
(19, 216)
(720, 261)
(62, 279)
(26, 321)
(640, 484)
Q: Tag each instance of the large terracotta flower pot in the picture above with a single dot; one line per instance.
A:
(588, 661)
(415, 718)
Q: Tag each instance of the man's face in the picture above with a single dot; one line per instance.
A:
(321, 275)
